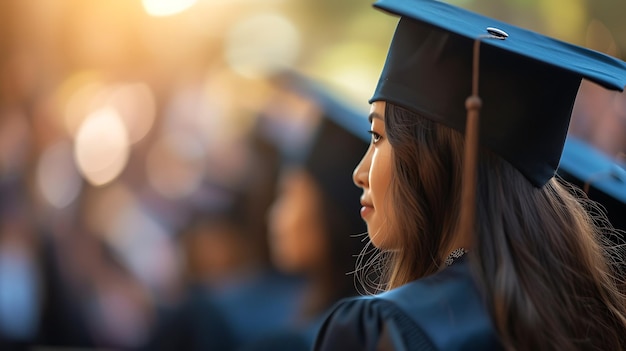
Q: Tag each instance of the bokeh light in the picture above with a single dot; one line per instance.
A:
(57, 177)
(135, 104)
(262, 44)
(166, 7)
(102, 146)
(135, 235)
(144, 245)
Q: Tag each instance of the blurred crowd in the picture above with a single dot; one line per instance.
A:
(181, 260)
(139, 158)
(147, 176)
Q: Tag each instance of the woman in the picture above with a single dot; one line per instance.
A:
(533, 270)
(314, 228)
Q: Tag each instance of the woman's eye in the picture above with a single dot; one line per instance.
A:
(375, 137)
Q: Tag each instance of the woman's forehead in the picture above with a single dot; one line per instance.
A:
(377, 110)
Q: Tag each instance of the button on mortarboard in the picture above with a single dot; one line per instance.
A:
(498, 33)
(528, 82)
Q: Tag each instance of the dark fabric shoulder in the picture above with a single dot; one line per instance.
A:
(370, 324)
(441, 312)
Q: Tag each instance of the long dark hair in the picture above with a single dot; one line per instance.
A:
(542, 257)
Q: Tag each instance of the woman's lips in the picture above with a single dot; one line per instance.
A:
(366, 210)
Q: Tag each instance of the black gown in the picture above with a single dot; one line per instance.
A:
(444, 311)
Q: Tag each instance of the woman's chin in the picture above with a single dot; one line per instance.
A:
(379, 240)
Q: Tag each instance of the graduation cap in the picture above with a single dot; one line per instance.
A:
(527, 82)
(508, 89)
(602, 178)
(336, 145)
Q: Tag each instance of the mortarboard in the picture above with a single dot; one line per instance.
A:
(528, 82)
(602, 178)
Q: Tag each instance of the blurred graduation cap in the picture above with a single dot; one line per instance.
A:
(336, 145)
(602, 178)
(527, 82)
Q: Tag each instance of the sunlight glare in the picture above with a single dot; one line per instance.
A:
(159, 8)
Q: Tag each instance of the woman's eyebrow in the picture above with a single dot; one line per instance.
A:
(374, 115)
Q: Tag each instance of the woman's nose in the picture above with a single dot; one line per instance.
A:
(360, 175)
